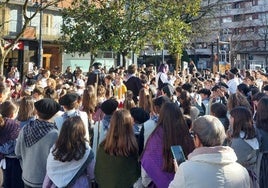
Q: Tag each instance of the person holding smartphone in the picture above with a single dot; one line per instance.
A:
(210, 164)
(157, 159)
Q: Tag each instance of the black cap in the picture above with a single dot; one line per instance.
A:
(168, 90)
(109, 106)
(234, 70)
(187, 86)
(204, 91)
(139, 115)
(69, 98)
(96, 65)
(222, 84)
(47, 106)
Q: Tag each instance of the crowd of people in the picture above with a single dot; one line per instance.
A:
(115, 128)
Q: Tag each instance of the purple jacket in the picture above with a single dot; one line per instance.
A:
(152, 160)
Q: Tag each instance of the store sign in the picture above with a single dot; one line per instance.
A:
(18, 46)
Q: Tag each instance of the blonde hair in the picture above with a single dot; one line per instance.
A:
(129, 102)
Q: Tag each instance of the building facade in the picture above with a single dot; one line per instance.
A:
(238, 35)
(244, 23)
(25, 53)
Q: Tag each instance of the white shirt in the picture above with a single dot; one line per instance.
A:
(83, 115)
(232, 85)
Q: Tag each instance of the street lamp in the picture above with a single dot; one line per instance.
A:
(40, 40)
(40, 49)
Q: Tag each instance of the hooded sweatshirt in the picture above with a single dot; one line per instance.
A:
(211, 167)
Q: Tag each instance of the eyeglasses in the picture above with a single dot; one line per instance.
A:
(192, 133)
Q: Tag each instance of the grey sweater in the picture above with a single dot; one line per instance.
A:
(34, 158)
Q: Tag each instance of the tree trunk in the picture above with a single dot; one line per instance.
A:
(2, 65)
(3, 56)
(178, 63)
(124, 54)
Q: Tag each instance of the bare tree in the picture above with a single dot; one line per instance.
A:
(5, 49)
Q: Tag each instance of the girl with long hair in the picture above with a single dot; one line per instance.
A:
(89, 102)
(244, 140)
(157, 159)
(117, 157)
(262, 132)
(70, 153)
(26, 111)
(145, 100)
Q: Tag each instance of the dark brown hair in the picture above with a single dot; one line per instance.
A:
(175, 132)
(26, 108)
(262, 115)
(145, 100)
(50, 93)
(120, 139)
(237, 99)
(89, 100)
(71, 144)
(185, 100)
(243, 121)
(7, 109)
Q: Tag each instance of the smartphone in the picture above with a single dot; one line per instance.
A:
(178, 154)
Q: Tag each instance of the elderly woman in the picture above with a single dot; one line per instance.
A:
(210, 161)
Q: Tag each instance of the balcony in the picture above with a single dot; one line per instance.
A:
(247, 10)
(50, 33)
(242, 24)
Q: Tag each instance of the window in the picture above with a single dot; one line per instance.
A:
(250, 30)
(254, 2)
(263, 30)
(248, 4)
(47, 24)
(263, 16)
(238, 18)
(226, 20)
(249, 44)
(47, 21)
(248, 17)
(228, 7)
(237, 31)
(236, 5)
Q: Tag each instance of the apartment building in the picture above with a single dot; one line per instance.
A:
(238, 35)
(245, 24)
(25, 53)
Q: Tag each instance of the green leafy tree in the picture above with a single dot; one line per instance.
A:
(121, 26)
(174, 29)
(125, 25)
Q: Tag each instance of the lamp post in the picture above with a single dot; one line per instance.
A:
(230, 52)
(40, 49)
(40, 40)
(217, 53)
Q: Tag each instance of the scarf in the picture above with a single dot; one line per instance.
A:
(61, 173)
(69, 114)
(106, 122)
(36, 130)
(10, 131)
